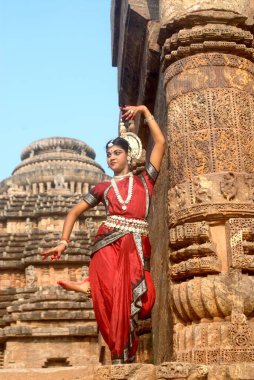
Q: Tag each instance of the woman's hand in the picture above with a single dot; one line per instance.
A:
(129, 112)
(54, 253)
(158, 150)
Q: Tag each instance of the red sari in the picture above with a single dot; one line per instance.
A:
(121, 284)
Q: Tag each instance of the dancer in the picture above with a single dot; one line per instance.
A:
(121, 285)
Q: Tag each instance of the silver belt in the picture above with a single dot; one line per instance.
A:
(127, 224)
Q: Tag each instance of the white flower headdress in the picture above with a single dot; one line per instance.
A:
(133, 140)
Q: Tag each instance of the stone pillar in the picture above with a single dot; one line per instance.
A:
(41, 187)
(72, 186)
(85, 188)
(209, 84)
(79, 187)
(35, 188)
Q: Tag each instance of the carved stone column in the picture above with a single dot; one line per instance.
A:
(209, 84)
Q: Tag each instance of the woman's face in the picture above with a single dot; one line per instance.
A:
(117, 158)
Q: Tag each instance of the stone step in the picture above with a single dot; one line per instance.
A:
(50, 315)
(55, 305)
(68, 373)
(89, 329)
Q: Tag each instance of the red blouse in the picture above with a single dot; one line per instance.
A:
(137, 207)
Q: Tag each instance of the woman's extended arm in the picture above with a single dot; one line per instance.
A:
(69, 221)
(157, 136)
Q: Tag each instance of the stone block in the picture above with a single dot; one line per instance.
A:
(39, 352)
(241, 371)
(126, 372)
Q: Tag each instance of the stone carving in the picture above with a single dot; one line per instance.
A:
(90, 226)
(217, 208)
(125, 372)
(194, 267)
(240, 332)
(173, 370)
(59, 181)
(180, 195)
(220, 145)
(13, 190)
(31, 276)
(215, 296)
(250, 182)
(188, 13)
(28, 225)
(208, 59)
(229, 186)
(237, 230)
(202, 194)
(209, 37)
(85, 272)
(188, 232)
(199, 373)
(171, 201)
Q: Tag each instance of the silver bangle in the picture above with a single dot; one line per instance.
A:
(64, 242)
(149, 118)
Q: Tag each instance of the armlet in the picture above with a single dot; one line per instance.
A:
(152, 172)
(90, 199)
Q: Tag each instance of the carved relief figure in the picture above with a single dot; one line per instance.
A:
(59, 181)
(28, 225)
(229, 186)
(31, 276)
(249, 180)
(202, 194)
(180, 194)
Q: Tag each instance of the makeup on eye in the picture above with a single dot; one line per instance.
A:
(116, 152)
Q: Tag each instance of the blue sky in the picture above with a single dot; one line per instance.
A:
(56, 77)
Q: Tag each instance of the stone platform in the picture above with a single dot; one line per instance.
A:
(171, 370)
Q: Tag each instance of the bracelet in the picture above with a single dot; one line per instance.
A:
(149, 118)
(64, 242)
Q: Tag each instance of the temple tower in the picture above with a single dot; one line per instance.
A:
(41, 325)
(191, 63)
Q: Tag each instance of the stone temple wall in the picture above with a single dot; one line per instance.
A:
(41, 325)
(191, 63)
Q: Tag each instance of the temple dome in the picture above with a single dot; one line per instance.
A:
(56, 162)
(57, 144)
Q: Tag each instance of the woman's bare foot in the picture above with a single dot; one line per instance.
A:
(81, 286)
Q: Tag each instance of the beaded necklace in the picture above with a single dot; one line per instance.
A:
(117, 193)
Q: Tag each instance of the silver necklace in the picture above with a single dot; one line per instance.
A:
(118, 195)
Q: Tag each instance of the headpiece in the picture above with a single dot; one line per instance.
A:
(110, 143)
(133, 140)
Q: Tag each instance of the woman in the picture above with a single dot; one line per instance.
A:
(121, 284)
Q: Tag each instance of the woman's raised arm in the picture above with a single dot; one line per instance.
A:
(157, 136)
